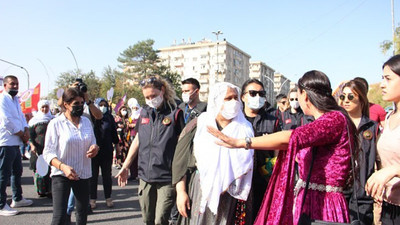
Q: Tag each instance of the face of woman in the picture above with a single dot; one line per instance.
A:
(350, 101)
(78, 101)
(45, 109)
(302, 96)
(390, 85)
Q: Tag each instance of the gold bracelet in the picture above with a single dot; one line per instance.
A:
(59, 166)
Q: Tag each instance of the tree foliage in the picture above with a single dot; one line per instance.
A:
(387, 45)
(375, 95)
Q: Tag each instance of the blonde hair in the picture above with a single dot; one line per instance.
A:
(158, 82)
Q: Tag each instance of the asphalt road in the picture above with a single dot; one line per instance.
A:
(126, 205)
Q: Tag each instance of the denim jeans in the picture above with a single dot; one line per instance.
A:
(71, 203)
(61, 190)
(10, 166)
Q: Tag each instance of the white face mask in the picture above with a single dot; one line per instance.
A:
(231, 109)
(186, 97)
(255, 102)
(294, 104)
(124, 112)
(103, 109)
(155, 102)
(135, 114)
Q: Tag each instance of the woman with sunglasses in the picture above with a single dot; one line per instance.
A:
(328, 140)
(70, 144)
(293, 116)
(384, 184)
(255, 107)
(354, 100)
(158, 128)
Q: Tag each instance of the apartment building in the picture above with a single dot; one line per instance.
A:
(282, 84)
(207, 61)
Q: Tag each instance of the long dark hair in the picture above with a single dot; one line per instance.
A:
(394, 64)
(359, 89)
(318, 88)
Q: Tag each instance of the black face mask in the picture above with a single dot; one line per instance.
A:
(13, 92)
(77, 110)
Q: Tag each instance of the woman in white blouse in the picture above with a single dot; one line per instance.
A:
(70, 143)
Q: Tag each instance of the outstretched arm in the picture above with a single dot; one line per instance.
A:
(278, 140)
(378, 180)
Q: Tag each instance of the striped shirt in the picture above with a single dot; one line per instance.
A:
(69, 144)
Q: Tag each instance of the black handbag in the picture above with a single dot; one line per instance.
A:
(305, 218)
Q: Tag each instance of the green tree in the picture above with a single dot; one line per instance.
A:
(67, 78)
(387, 45)
(375, 95)
(141, 60)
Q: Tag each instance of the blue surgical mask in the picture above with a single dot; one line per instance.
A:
(255, 102)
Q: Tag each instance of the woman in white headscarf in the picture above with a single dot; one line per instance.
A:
(135, 113)
(211, 182)
(37, 128)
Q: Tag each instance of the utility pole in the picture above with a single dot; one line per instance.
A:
(393, 30)
(217, 33)
(48, 77)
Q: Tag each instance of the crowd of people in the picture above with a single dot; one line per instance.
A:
(235, 159)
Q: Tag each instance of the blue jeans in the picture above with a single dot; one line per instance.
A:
(10, 166)
(71, 203)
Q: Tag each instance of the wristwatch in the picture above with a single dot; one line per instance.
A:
(248, 142)
(89, 102)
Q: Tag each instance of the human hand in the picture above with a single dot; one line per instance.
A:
(25, 136)
(182, 203)
(69, 172)
(92, 152)
(225, 140)
(122, 177)
(377, 182)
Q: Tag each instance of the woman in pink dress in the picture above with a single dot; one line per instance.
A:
(329, 136)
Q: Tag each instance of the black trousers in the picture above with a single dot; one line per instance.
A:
(105, 164)
(61, 189)
(390, 214)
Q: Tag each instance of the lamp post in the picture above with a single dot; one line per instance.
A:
(27, 73)
(280, 88)
(217, 33)
(76, 63)
(47, 73)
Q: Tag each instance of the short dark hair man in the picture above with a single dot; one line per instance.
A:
(13, 133)
(191, 105)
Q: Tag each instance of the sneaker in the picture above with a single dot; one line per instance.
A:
(7, 211)
(23, 202)
(92, 203)
(109, 202)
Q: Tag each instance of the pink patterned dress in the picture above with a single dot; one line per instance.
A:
(325, 201)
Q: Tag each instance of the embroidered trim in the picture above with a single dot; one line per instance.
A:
(316, 187)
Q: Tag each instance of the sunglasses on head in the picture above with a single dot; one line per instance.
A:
(349, 97)
(150, 80)
(293, 99)
(253, 93)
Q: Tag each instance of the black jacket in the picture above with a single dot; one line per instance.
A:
(158, 132)
(290, 121)
(105, 131)
(190, 114)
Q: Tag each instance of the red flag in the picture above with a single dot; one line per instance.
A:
(29, 99)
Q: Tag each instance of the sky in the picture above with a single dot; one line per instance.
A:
(339, 37)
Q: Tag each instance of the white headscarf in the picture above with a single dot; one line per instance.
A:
(133, 103)
(40, 117)
(222, 169)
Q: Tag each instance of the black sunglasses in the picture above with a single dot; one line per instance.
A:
(349, 97)
(150, 80)
(253, 93)
(293, 99)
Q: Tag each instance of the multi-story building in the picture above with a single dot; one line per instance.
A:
(207, 61)
(265, 74)
(282, 84)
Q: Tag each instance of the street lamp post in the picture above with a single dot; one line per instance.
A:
(47, 73)
(27, 73)
(217, 33)
(280, 88)
(76, 63)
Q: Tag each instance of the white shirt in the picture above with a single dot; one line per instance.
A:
(69, 144)
(12, 120)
